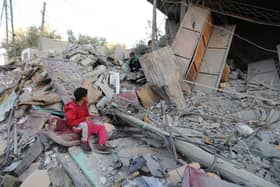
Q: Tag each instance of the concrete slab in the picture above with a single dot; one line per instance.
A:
(37, 178)
(264, 71)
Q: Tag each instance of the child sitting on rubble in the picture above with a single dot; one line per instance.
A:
(78, 119)
(133, 63)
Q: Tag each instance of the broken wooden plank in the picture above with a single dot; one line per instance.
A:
(199, 53)
(163, 75)
(188, 36)
(31, 154)
(147, 96)
(226, 74)
(73, 171)
(227, 170)
(215, 56)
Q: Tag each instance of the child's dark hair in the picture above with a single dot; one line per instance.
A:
(80, 93)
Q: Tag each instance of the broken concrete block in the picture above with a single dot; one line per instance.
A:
(101, 52)
(93, 58)
(92, 109)
(76, 58)
(162, 75)
(244, 130)
(94, 74)
(93, 94)
(103, 102)
(58, 177)
(9, 181)
(174, 176)
(34, 166)
(147, 96)
(86, 62)
(37, 178)
(115, 81)
(31, 154)
(51, 53)
(106, 89)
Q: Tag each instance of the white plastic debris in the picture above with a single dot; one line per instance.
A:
(244, 130)
(102, 180)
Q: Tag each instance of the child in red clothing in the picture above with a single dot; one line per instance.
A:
(78, 118)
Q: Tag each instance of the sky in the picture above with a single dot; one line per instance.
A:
(119, 21)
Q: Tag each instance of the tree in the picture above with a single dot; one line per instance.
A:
(111, 47)
(86, 39)
(140, 47)
(27, 38)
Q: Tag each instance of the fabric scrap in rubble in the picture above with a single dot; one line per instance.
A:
(36, 124)
(196, 178)
(7, 106)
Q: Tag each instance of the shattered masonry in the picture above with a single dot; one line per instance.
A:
(188, 117)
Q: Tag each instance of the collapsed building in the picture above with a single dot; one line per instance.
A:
(204, 110)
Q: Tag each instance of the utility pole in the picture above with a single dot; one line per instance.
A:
(42, 24)
(154, 25)
(7, 19)
(13, 31)
(9, 15)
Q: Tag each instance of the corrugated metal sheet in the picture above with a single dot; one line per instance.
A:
(215, 57)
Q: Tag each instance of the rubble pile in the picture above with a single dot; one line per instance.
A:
(185, 119)
(242, 130)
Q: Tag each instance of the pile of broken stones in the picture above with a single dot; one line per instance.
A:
(244, 131)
